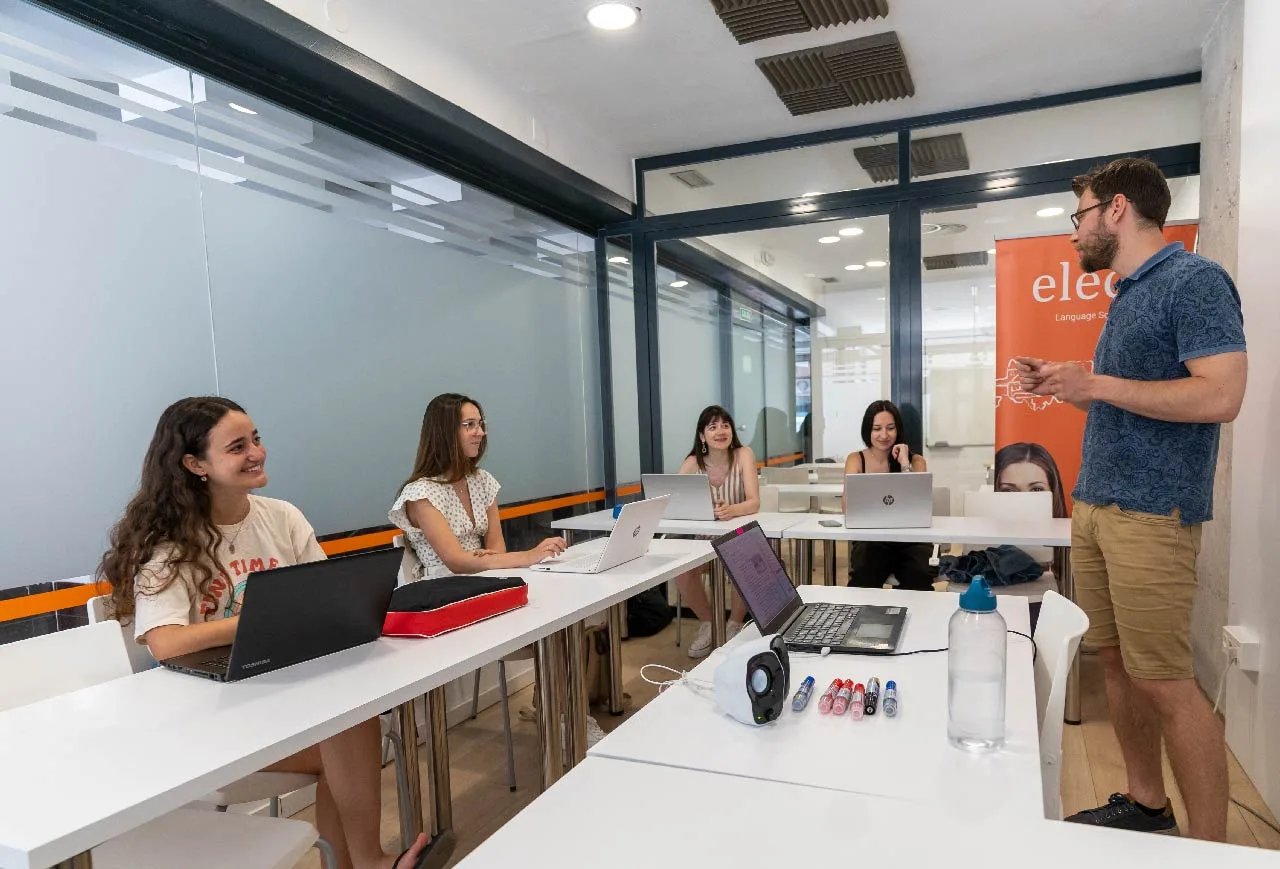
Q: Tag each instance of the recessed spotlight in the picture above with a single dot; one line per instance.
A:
(851, 231)
(829, 239)
(879, 298)
(613, 16)
(876, 263)
(678, 284)
(1052, 211)
(991, 251)
(241, 109)
(622, 260)
(856, 267)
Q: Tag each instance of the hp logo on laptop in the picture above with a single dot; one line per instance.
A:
(888, 500)
(635, 532)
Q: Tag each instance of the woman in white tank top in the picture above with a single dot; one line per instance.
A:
(730, 468)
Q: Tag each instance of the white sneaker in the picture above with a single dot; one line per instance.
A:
(731, 630)
(595, 732)
(701, 645)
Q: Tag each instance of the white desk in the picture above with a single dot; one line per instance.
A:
(602, 521)
(816, 490)
(977, 530)
(905, 757)
(84, 767)
(600, 812)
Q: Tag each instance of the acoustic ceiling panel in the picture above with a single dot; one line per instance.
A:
(955, 260)
(852, 73)
(753, 20)
(930, 155)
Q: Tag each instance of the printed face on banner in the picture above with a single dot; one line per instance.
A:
(1049, 308)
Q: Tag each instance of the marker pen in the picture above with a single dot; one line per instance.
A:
(801, 699)
(841, 703)
(829, 696)
(890, 698)
(855, 702)
(872, 697)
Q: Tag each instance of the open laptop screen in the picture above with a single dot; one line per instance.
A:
(758, 574)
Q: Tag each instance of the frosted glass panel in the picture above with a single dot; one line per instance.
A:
(105, 306)
(780, 389)
(622, 334)
(689, 367)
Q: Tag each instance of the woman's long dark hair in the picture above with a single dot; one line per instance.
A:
(172, 507)
(1016, 454)
(874, 409)
(713, 413)
(440, 456)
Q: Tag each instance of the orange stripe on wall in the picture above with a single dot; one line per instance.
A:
(50, 601)
(632, 489)
(551, 504)
(781, 460)
(371, 540)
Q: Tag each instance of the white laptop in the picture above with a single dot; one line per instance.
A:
(628, 541)
(888, 500)
(690, 494)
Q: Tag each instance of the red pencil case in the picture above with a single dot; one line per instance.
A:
(431, 607)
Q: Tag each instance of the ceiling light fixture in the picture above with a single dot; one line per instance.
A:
(808, 195)
(675, 285)
(613, 16)
(851, 231)
(876, 263)
(856, 267)
(241, 109)
(1052, 211)
(829, 239)
(621, 260)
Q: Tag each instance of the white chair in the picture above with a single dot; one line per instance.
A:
(59, 663)
(833, 504)
(1057, 638)
(411, 571)
(1014, 507)
(790, 476)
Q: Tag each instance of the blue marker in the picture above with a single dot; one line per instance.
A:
(801, 699)
(890, 702)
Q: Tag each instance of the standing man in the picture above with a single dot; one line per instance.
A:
(1169, 368)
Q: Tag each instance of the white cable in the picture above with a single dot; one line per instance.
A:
(1222, 683)
(697, 686)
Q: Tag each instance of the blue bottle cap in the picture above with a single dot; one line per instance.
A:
(890, 685)
(978, 598)
(617, 510)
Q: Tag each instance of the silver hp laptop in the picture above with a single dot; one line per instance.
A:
(888, 500)
(758, 574)
(690, 494)
(628, 541)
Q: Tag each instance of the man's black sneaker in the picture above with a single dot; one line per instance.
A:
(1122, 813)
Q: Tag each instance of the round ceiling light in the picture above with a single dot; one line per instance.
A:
(991, 251)
(856, 267)
(678, 284)
(876, 263)
(829, 239)
(1053, 211)
(613, 16)
(851, 231)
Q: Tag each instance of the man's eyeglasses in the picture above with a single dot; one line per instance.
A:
(470, 425)
(1075, 218)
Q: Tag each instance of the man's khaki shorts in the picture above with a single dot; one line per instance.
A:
(1135, 577)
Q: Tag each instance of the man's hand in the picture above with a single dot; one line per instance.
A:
(1030, 373)
(1067, 382)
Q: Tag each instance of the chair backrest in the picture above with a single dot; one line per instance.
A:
(1013, 506)
(61, 662)
(1057, 638)
(140, 657)
(770, 500)
(788, 503)
(785, 475)
(410, 567)
(833, 474)
(941, 501)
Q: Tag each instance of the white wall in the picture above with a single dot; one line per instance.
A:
(1253, 700)
(429, 62)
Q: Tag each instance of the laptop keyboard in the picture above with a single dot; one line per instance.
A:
(224, 661)
(824, 624)
(583, 564)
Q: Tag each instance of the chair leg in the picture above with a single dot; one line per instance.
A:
(402, 787)
(273, 807)
(328, 859)
(679, 621)
(506, 724)
(475, 696)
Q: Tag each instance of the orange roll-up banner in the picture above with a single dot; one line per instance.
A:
(1048, 308)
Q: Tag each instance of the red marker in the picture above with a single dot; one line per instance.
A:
(841, 704)
(829, 696)
(856, 701)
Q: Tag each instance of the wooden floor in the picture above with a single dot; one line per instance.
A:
(1092, 767)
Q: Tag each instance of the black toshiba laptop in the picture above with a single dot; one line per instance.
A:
(761, 579)
(293, 614)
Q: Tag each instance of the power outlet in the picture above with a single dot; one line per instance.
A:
(1244, 644)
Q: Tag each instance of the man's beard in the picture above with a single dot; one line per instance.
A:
(1099, 251)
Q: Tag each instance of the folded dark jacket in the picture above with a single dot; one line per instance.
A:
(999, 565)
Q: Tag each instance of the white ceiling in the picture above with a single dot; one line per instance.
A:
(678, 80)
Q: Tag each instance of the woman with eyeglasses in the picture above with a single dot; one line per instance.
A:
(448, 508)
(730, 468)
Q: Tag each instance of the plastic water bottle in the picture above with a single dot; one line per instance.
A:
(976, 671)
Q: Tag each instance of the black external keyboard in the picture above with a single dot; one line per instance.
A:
(824, 624)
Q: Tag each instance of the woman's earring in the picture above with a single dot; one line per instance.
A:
(203, 478)
(704, 448)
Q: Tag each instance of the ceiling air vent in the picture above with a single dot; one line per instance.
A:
(829, 280)
(931, 155)
(692, 178)
(868, 70)
(956, 260)
(753, 20)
